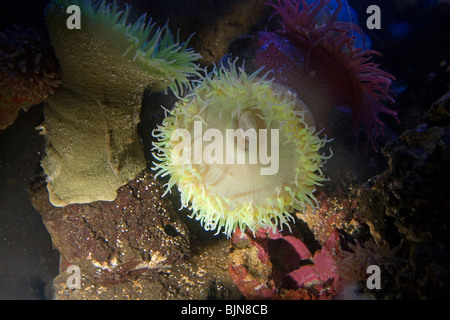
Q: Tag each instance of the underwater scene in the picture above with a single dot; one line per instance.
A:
(224, 150)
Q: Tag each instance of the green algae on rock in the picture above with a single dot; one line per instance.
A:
(91, 122)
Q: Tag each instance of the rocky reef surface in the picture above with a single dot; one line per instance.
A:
(133, 247)
(409, 204)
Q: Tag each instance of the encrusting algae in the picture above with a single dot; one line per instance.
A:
(91, 121)
(257, 160)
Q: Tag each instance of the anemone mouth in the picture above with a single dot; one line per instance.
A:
(152, 49)
(238, 186)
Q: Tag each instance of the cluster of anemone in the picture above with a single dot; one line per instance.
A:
(229, 195)
(29, 72)
(321, 64)
(222, 196)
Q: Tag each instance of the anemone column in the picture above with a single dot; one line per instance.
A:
(91, 122)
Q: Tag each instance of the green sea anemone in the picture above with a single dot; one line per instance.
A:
(93, 146)
(241, 152)
(151, 49)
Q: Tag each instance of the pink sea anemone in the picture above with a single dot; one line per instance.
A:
(320, 63)
(354, 263)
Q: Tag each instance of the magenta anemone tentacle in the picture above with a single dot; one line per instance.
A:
(330, 47)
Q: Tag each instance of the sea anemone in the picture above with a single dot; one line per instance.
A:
(230, 182)
(321, 64)
(353, 265)
(151, 49)
(93, 146)
(29, 72)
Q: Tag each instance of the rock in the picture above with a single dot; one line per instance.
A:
(334, 212)
(203, 276)
(409, 203)
(113, 241)
(414, 190)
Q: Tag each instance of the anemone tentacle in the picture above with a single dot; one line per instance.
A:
(153, 49)
(330, 47)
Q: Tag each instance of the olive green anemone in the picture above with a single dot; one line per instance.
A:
(149, 48)
(241, 150)
(91, 121)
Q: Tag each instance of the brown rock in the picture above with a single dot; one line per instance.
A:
(113, 241)
(407, 206)
(413, 192)
(204, 276)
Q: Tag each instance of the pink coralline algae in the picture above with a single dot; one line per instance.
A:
(280, 266)
(320, 63)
